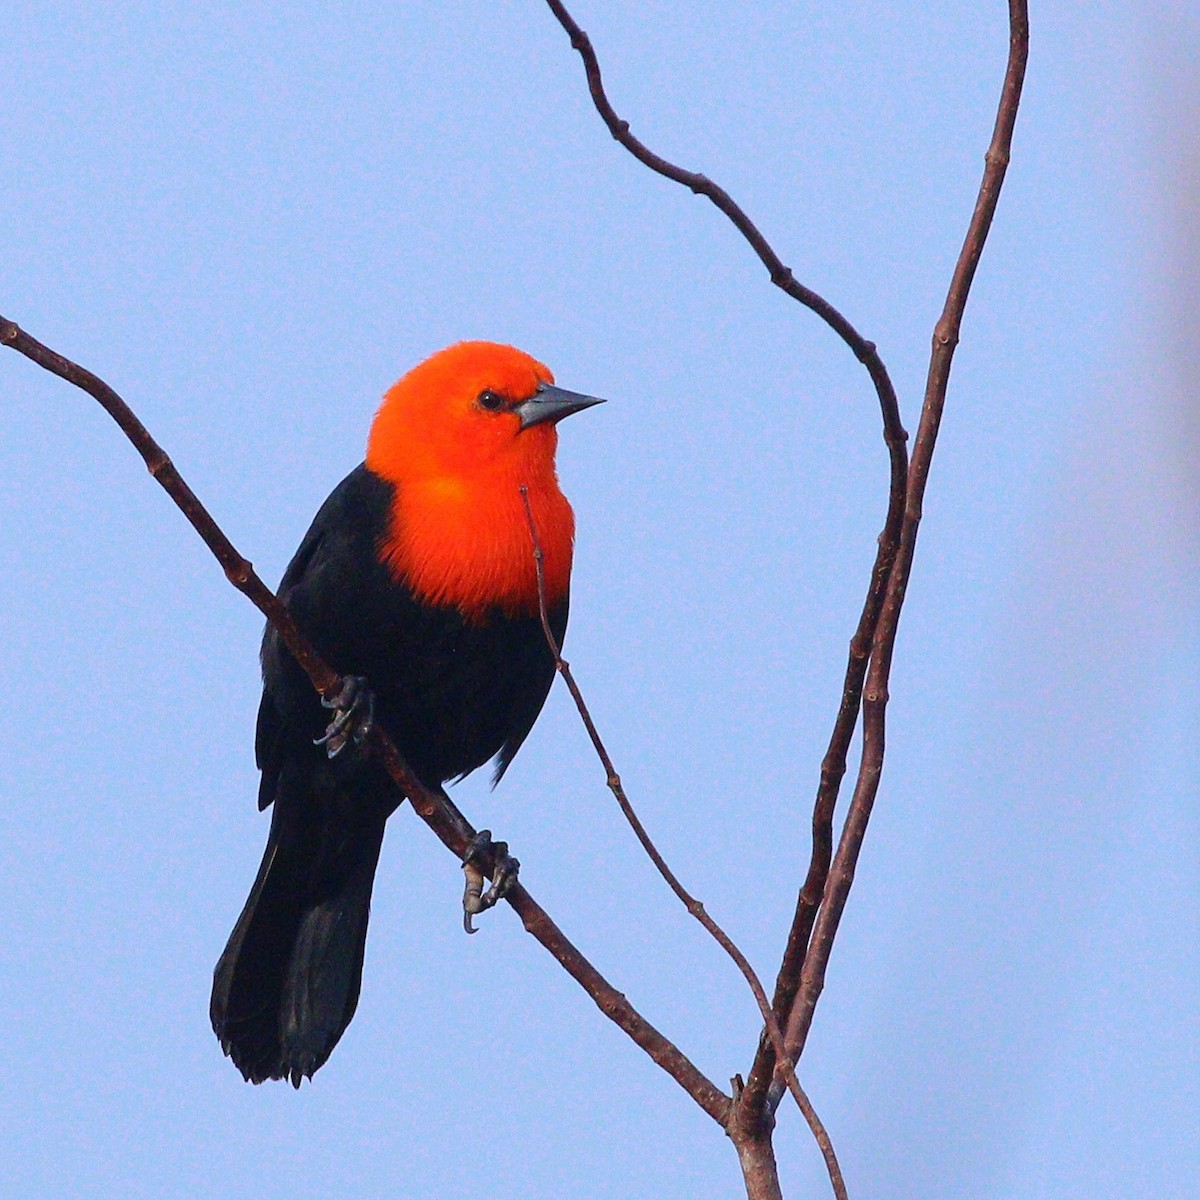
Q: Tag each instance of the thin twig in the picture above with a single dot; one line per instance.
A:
(833, 766)
(693, 906)
(430, 805)
(945, 339)
(781, 275)
(833, 769)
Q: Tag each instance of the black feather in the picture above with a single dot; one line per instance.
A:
(452, 693)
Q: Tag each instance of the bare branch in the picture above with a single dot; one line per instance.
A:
(781, 275)
(945, 339)
(756, 1156)
(694, 906)
(432, 806)
(833, 767)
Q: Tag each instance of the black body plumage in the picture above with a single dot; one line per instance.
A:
(452, 692)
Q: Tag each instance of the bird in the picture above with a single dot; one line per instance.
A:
(417, 582)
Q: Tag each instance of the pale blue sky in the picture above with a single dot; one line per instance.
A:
(250, 222)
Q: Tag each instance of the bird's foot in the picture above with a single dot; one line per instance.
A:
(481, 855)
(353, 715)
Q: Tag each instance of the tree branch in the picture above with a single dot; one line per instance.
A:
(945, 339)
(693, 906)
(833, 766)
(430, 806)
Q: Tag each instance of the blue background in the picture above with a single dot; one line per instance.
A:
(250, 221)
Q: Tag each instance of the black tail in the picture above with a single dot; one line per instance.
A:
(287, 985)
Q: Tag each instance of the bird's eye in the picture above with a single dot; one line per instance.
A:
(490, 400)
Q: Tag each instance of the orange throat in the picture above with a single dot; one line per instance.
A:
(458, 534)
(466, 542)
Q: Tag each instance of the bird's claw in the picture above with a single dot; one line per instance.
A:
(353, 715)
(481, 854)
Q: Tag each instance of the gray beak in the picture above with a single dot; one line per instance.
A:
(550, 403)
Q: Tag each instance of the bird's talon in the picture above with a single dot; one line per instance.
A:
(472, 895)
(504, 875)
(353, 716)
(483, 854)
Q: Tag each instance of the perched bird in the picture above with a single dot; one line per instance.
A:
(417, 574)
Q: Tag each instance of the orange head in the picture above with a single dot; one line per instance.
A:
(459, 437)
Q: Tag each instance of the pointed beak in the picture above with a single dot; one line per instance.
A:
(550, 403)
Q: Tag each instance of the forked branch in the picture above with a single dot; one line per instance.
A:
(823, 894)
(694, 906)
(945, 339)
(833, 766)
